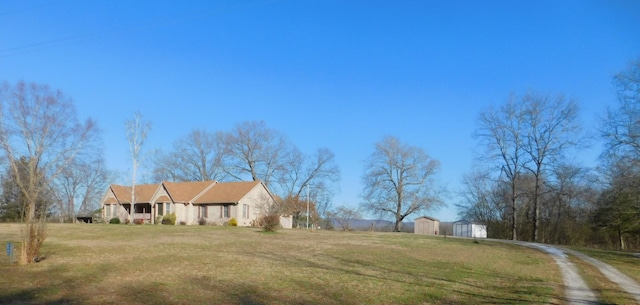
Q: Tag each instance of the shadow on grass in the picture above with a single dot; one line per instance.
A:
(46, 286)
(425, 286)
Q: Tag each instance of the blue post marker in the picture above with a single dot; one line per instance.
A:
(10, 252)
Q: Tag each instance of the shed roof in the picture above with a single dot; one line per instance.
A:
(468, 222)
(427, 217)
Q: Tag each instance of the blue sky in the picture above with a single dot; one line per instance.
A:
(336, 74)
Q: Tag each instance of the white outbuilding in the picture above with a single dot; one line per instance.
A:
(469, 229)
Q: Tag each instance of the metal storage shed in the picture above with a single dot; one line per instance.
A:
(426, 225)
(469, 229)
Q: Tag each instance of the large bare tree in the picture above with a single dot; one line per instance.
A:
(523, 141)
(254, 151)
(136, 130)
(552, 129)
(39, 131)
(501, 133)
(315, 174)
(195, 157)
(399, 181)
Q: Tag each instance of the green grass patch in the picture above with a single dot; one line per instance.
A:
(156, 264)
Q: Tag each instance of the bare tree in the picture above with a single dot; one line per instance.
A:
(136, 130)
(344, 215)
(254, 151)
(196, 157)
(316, 175)
(40, 136)
(479, 200)
(621, 127)
(399, 181)
(80, 186)
(552, 129)
(501, 133)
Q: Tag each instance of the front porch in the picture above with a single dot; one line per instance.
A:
(142, 213)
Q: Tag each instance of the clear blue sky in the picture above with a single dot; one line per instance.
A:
(337, 74)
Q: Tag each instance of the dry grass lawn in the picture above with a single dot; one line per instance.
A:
(155, 264)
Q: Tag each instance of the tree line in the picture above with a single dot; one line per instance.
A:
(528, 184)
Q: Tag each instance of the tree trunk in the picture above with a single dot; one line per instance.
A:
(397, 226)
(514, 235)
(536, 213)
(621, 240)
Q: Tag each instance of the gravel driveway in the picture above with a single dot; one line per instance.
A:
(576, 289)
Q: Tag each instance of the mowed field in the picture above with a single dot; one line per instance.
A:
(156, 264)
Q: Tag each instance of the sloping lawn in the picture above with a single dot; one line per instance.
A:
(155, 264)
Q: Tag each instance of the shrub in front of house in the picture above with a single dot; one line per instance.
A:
(138, 221)
(202, 221)
(270, 223)
(159, 220)
(169, 219)
(232, 222)
(115, 221)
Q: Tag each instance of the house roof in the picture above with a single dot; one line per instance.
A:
(163, 198)
(144, 192)
(186, 191)
(111, 200)
(229, 192)
(122, 193)
(199, 192)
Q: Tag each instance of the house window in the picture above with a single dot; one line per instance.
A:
(224, 211)
(203, 211)
(107, 211)
(245, 211)
(168, 208)
(160, 209)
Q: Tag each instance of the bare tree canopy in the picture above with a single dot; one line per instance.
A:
(40, 128)
(344, 215)
(399, 181)
(501, 133)
(80, 187)
(528, 135)
(316, 174)
(621, 126)
(254, 151)
(196, 157)
(552, 129)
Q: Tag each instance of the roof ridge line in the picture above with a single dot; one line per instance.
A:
(206, 189)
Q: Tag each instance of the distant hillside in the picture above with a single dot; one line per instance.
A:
(381, 225)
(373, 224)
